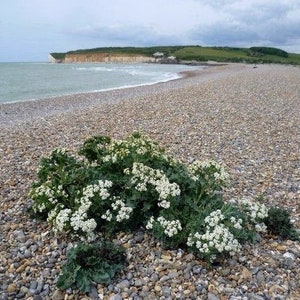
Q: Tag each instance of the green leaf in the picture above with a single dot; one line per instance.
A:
(92, 261)
(146, 206)
(100, 277)
(83, 281)
(68, 276)
(64, 281)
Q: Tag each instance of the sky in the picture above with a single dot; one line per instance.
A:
(31, 29)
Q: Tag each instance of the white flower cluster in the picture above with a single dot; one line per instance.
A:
(144, 175)
(237, 223)
(214, 218)
(101, 189)
(171, 228)
(61, 150)
(45, 191)
(118, 149)
(216, 237)
(220, 174)
(261, 227)
(123, 211)
(149, 224)
(60, 220)
(110, 158)
(256, 211)
(77, 220)
(107, 215)
(142, 145)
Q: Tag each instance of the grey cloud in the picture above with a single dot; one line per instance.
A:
(261, 12)
(220, 34)
(262, 23)
(127, 35)
(217, 3)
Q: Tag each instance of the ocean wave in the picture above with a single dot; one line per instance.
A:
(38, 81)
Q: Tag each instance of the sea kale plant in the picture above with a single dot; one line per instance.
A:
(91, 263)
(119, 185)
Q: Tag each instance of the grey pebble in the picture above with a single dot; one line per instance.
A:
(211, 296)
(123, 284)
(154, 277)
(260, 277)
(27, 253)
(139, 282)
(33, 286)
(40, 286)
(289, 259)
(115, 297)
(20, 236)
(164, 278)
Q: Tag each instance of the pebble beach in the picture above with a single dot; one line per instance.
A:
(247, 119)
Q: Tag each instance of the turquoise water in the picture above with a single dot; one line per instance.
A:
(28, 81)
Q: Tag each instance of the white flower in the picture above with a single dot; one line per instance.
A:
(256, 211)
(216, 237)
(190, 241)
(164, 204)
(149, 224)
(141, 187)
(123, 211)
(107, 216)
(43, 190)
(260, 227)
(171, 228)
(144, 175)
(51, 215)
(214, 218)
(62, 218)
(201, 167)
(40, 207)
(237, 223)
(79, 222)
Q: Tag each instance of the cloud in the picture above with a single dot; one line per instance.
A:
(137, 35)
(54, 25)
(252, 23)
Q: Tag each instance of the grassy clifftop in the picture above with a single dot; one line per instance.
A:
(198, 53)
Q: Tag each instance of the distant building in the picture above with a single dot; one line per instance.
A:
(158, 55)
(172, 58)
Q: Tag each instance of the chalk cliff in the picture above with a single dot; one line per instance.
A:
(105, 57)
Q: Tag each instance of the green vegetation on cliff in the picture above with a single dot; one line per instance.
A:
(199, 53)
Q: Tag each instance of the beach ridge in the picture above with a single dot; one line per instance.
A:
(243, 117)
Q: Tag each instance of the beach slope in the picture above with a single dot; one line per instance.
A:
(243, 117)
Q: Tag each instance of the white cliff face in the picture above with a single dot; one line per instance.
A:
(51, 59)
(106, 57)
(125, 59)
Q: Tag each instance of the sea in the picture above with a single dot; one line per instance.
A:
(31, 81)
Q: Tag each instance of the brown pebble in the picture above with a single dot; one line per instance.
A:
(12, 288)
(281, 247)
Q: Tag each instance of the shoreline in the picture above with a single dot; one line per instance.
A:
(20, 111)
(173, 75)
(246, 119)
(92, 91)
